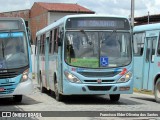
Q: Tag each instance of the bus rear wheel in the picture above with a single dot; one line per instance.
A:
(58, 96)
(157, 91)
(114, 97)
(17, 98)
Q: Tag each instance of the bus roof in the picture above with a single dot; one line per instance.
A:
(62, 20)
(12, 23)
(148, 27)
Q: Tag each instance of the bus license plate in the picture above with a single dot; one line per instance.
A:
(1, 89)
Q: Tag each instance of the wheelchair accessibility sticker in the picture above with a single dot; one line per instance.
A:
(104, 61)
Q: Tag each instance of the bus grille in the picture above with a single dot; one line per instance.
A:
(96, 81)
(8, 74)
(99, 74)
(99, 88)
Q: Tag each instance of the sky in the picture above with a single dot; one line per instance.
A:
(108, 7)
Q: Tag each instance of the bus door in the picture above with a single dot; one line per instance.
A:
(37, 56)
(47, 60)
(150, 47)
(138, 43)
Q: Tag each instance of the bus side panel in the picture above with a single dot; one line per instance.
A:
(59, 70)
(38, 62)
(46, 62)
(138, 72)
(42, 69)
(155, 68)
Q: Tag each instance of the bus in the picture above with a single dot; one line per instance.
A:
(85, 55)
(15, 59)
(147, 58)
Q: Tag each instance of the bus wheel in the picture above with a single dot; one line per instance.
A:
(114, 97)
(58, 96)
(17, 98)
(157, 91)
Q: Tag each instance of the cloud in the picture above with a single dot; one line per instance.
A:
(109, 7)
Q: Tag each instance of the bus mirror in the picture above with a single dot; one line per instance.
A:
(60, 39)
(59, 42)
(29, 35)
(158, 51)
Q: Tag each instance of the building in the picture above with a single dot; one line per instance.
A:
(147, 19)
(25, 14)
(42, 14)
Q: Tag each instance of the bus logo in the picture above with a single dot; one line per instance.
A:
(99, 81)
(7, 80)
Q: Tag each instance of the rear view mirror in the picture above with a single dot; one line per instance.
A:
(158, 51)
(29, 35)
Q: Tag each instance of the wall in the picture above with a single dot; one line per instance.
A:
(38, 18)
(54, 16)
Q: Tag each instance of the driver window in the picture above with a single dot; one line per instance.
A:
(138, 42)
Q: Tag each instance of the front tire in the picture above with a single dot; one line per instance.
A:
(58, 96)
(17, 98)
(114, 97)
(157, 91)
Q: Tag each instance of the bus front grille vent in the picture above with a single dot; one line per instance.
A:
(99, 74)
(96, 81)
(8, 74)
(99, 88)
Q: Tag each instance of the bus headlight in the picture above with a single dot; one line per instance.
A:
(125, 77)
(25, 75)
(71, 77)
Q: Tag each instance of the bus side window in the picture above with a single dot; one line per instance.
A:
(158, 49)
(36, 46)
(55, 40)
(50, 42)
(43, 44)
(138, 43)
(52, 48)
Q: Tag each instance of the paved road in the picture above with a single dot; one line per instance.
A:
(45, 102)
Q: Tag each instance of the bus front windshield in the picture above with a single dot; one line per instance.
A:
(13, 50)
(97, 49)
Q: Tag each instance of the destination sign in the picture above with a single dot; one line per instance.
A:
(97, 23)
(8, 25)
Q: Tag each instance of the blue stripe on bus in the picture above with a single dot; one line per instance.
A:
(7, 35)
(3, 35)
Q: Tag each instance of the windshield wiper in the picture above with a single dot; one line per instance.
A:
(114, 31)
(83, 32)
(3, 49)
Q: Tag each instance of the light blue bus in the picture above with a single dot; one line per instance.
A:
(86, 55)
(147, 58)
(15, 59)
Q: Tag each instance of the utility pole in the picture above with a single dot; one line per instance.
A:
(132, 13)
(148, 17)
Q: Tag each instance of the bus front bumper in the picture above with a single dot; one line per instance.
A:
(23, 88)
(95, 89)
